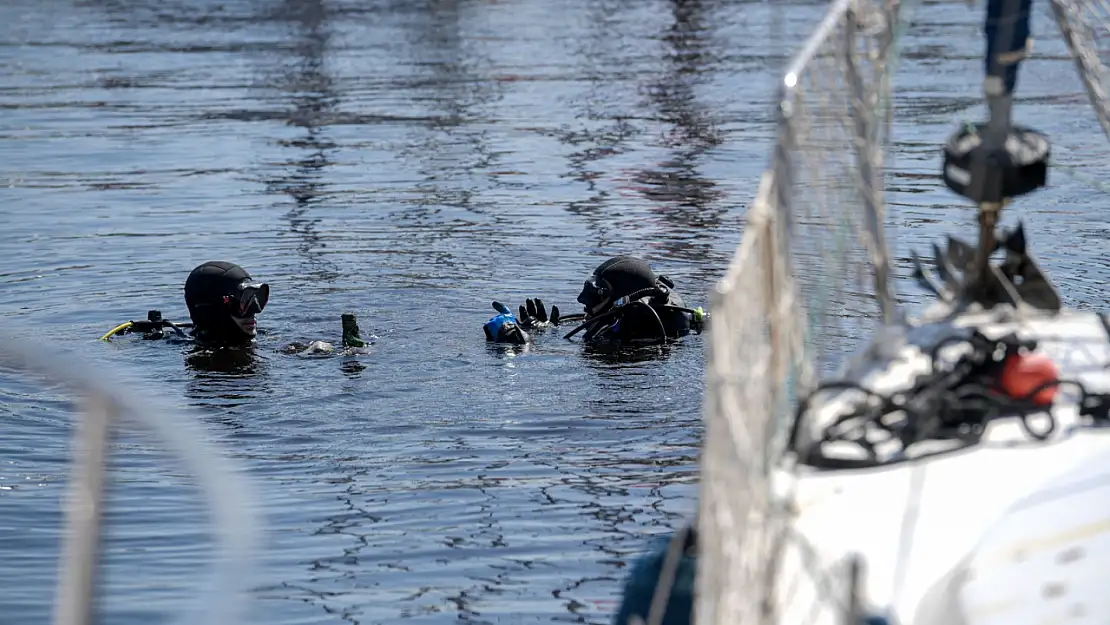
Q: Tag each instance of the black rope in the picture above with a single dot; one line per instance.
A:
(954, 403)
(658, 321)
(593, 325)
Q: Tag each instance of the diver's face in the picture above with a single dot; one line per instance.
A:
(246, 324)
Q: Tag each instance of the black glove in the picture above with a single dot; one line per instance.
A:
(533, 315)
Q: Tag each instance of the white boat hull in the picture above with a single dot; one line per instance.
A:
(1012, 531)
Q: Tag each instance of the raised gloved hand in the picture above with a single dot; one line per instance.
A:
(504, 328)
(534, 315)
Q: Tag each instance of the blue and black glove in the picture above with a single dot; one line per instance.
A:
(504, 328)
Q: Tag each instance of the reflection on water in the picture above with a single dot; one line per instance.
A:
(602, 130)
(240, 362)
(684, 195)
(603, 143)
(508, 350)
(609, 355)
(305, 81)
(680, 134)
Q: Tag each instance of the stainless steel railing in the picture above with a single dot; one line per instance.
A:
(106, 407)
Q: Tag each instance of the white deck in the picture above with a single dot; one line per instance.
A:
(1026, 523)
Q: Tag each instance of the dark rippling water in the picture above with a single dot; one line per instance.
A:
(412, 161)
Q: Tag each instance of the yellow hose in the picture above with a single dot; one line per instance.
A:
(116, 330)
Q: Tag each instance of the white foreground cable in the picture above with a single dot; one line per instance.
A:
(226, 488)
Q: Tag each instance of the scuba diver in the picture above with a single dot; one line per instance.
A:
(624, 302)
(223, 301)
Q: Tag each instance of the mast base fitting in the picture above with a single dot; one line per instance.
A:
(1017, 167)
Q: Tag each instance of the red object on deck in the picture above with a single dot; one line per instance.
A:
(1024, 373)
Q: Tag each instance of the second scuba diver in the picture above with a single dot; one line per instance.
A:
(223, 301)
(624, 302)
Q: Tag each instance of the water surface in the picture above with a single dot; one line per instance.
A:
(411, 162)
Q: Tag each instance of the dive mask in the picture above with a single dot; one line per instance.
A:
(504, 328)
(249, 299)
(594, 295)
